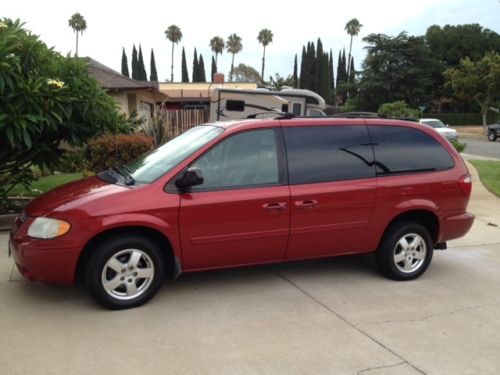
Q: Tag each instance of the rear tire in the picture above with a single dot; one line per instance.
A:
(492, 136)
(125, 271)
(405, 251)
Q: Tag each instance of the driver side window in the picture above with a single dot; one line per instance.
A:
(244, 160)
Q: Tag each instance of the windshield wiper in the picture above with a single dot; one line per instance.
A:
(125, 172)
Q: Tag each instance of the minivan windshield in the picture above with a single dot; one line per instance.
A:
(150, 166)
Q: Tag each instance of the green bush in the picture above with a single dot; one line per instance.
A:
(45, 99)
(459, 146)
(113, 150)
(398, 109)
(458, 119)
(73, 162)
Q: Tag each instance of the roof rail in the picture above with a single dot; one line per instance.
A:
(268, 114)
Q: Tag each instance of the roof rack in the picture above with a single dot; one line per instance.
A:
(279, 115)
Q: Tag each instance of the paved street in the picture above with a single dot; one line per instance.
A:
(482, 147)
(334, 316)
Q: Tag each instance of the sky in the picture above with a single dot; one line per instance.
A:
(112, 25)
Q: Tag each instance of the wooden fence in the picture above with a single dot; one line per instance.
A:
(178, 121)
(168, 124)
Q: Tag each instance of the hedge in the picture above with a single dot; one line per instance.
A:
(113, 150)
(458, 119)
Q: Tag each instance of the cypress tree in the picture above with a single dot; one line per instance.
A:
(135, 64)
(185, 75)
(201, 69)
(125, 64)
(339, 70)
(302, 68)
(345, 78)
(295, 76)
(344, 68)
(352, 79)
(352, 72)
(214, 69)
(311, 66)
(332, 71)
(195, 67)
(142, 69)
(318, 69)
(154, 75)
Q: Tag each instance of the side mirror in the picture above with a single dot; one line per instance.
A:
(447, 125)
(191, 177)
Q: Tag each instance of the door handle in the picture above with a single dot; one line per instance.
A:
(274, 206)
(310, 203)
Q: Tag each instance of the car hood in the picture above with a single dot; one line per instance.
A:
(446, 131)
(72, 195)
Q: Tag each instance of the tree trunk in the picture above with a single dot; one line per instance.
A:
(484, 110)
(172, 66)
(76, 51)
(232, 69)
(263, 64)
(349, 61)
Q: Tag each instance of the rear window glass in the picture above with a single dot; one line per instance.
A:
(400, 149)
(328, 153)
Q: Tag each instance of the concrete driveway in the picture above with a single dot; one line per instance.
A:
(334, 316)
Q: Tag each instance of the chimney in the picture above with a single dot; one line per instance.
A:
(218, 78)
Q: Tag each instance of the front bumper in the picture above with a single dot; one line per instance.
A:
(44, 261)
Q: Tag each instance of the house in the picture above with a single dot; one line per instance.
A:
(140, 97)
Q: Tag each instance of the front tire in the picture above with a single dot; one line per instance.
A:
(125, 271)
(492, 136)
(405, 251)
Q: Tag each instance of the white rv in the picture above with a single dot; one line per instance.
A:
(231, 104)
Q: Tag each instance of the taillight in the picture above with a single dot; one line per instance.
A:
(465, 183)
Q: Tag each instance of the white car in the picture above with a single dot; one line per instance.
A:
(444, 130)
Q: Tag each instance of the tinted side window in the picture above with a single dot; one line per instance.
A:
(245, 159)
(399, 149)
(328, 153)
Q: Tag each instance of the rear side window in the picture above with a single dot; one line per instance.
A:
(328, 153)
(399, 150)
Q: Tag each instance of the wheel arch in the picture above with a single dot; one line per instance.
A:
(426, 218)
(172, 263)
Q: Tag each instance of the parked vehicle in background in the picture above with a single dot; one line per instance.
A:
(234, 104)
(238, 193)
(493, 132)
(441, 128)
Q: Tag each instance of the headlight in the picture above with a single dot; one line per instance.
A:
(44, 227)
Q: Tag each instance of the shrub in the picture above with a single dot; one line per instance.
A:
(398, 109)
(459, 146)
(112, 150)
(458, 119)
(45, 99)
(72, 162)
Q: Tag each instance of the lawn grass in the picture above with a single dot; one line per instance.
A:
(44, 184)
(489, 174)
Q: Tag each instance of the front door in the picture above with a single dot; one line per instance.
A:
(240, 214)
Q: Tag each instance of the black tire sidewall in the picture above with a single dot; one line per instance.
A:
(492, 137)
(385, 257)
(109, 248)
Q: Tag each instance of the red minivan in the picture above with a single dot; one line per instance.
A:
(250, 192)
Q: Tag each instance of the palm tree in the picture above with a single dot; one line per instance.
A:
(352, 27)
(265, 37)
(217, 46)
(233, 46)
(174, 34)
(79, 25)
